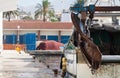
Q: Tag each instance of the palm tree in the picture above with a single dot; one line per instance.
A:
(44, 10)
(45, 5)
(38, 12)
(9, 14)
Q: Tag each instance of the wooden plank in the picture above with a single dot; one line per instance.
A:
(89, 49)
(45, 52)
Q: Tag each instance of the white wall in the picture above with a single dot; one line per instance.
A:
(42, 32)
(9, 32)
(66, 33)
(1, 31)
(49, 32)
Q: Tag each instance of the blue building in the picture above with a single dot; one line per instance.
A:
(28, 32)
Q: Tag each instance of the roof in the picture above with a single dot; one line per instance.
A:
(36, 25)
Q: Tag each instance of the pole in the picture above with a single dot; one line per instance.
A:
(18, 40)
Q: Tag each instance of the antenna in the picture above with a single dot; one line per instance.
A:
(96, 2)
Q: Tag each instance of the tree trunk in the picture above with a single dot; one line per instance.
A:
(9, 18)
(44, 19)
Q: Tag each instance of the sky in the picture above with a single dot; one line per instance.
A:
(57, 4)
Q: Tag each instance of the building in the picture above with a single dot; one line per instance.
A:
(28, 32)
(5, 6)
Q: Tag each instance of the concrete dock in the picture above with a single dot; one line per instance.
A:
(15, 65)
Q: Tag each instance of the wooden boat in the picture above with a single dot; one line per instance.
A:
(90, 50)
(93, 56)
(93, 50)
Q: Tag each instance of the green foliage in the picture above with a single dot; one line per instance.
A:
(27, 18)
(44, 10)
(53, 19)
(79, 1)
(45, 5)
(9, 14)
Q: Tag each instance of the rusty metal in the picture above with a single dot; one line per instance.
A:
(89, 49)
(107, 8)
(106, 14)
